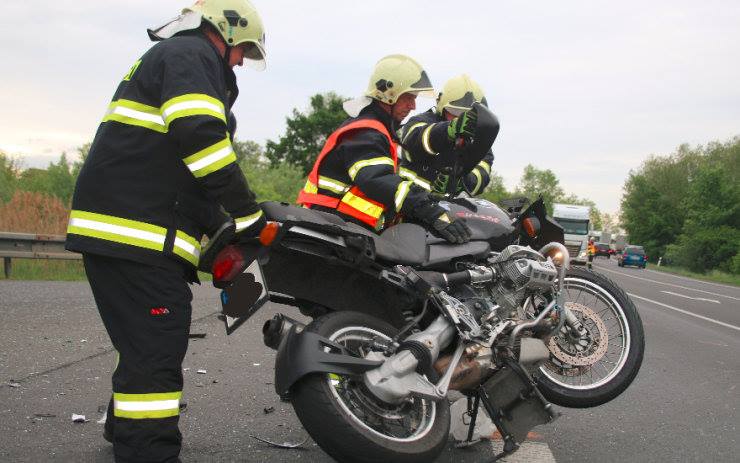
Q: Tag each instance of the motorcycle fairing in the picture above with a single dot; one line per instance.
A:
(302, 353)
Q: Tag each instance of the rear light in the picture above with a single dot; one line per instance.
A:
(531, 226)
(228, 264)
(268, 234)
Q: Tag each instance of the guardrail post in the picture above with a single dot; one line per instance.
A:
(7, 266)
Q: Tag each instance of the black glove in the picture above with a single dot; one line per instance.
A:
(442, 224)
(463, 125)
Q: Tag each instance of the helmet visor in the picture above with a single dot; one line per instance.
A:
(255, 56)
(422, 87)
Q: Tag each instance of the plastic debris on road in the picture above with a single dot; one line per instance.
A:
(79, 418)
(284, 445)
(202, 372)
(269, 410)
(104, 418)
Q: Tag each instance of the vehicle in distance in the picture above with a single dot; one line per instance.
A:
(632, 255)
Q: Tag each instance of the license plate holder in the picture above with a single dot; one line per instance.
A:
(244, 297)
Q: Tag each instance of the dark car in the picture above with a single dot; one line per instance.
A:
(632, 255)
(602, 249)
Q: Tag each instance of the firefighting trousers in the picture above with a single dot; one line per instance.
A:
(146, 311)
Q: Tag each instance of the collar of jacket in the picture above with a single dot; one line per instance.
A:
(375, 111)
(232, 91)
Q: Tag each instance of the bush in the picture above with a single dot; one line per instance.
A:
(33, 212)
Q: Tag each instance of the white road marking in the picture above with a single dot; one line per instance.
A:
(670, 284)
(529, 452)
(692, 279)
(689, 297)
(686, 312)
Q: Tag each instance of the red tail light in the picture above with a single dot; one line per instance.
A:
(228, 264)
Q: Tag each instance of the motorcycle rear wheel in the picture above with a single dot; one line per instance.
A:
(599, 373)
(350, 424)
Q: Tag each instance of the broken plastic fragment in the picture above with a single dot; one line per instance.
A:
(202, 372)
(79, 418)
(284, 445)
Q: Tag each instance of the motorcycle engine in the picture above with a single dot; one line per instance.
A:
(522, 271)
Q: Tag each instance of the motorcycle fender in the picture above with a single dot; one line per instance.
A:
(302, 352)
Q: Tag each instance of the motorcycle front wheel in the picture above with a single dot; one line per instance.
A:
(352, 425)
(587, 371)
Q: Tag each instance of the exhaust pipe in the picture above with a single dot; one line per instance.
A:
(275, 330)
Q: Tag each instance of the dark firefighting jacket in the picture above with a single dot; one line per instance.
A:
(427, 155)
(356, 175)
(162, 164)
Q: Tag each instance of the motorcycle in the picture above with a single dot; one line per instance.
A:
(402, 318)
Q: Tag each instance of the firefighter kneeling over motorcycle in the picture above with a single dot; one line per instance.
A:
(356, 175)
(430, 157)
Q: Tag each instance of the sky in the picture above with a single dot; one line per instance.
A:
(588, 89)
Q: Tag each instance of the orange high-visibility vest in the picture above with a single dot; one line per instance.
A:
(354, 202)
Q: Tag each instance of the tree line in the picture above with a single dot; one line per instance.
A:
(275, 171)
(685, 207)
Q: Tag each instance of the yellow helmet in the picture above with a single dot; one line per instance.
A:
(395, 75)
(459, 94)
(236, 20)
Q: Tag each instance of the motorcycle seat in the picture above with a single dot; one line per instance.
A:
(405, 243)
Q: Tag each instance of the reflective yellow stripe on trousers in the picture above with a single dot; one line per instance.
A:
(143, 406)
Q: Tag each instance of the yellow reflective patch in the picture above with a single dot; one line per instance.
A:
(362, 205)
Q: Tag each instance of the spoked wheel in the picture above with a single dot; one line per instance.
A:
(594, 366)
(349, 422)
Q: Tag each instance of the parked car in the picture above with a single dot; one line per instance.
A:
(632, 255)
(602, 249)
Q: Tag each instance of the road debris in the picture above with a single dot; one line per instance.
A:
(44, 415)
(284, 445)
(268, 410)
(12, 383)
(104, 418)
(201, 372)
(197, 335)
(79, 418)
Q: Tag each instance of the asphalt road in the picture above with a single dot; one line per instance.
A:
(55, 360)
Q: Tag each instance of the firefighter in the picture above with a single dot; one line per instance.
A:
(356, 174)
(428, 139)
(160, 169)
(591, 251)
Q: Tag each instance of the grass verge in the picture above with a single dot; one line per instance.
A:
(57, 270)
(713, 276)
(46, 269)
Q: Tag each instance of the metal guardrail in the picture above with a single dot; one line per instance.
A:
(32, 246)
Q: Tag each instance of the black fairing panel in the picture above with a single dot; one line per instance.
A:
(487, 221)
(441, 254)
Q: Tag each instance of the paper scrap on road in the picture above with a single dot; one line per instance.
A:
(692, 298)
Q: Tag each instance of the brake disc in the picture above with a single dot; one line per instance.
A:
(591, 349)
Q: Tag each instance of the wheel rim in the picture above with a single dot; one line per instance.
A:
(608, 344)
(408, 422)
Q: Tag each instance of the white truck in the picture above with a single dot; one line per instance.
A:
(575, 220)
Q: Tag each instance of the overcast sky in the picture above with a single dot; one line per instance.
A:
(588, 89)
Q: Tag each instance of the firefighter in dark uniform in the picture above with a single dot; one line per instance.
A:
(356, 175)
(428, 140)
(160, 169)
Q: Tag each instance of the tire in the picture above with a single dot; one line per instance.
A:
(340, 433)
(561, 393)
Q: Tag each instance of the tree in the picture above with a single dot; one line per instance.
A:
(9, 171)
(56, 180)
(82, 152)
(306, 133)
(496, 190)
(535, 182)
(278, 182)
(687, 206)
